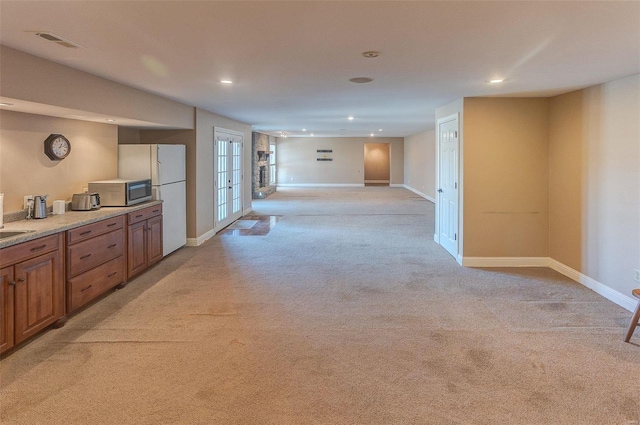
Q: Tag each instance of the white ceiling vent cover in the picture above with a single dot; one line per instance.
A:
(58, 40)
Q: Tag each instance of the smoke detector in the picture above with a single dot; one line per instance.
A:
(371, 54)
(58, 40)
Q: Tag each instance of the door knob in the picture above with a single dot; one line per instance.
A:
(21, 279)
(440, 190)
(12, 283)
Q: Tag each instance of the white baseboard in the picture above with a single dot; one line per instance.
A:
(417, 192)
(376, 181)
(201, 239)
(247, 211)
(320, 185)
(505, 261)
(611, 294)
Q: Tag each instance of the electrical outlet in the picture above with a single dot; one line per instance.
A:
(637, 275)
(27, 198)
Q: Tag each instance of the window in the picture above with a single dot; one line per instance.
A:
(272, 164)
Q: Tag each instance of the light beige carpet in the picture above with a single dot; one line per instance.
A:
(347, 312)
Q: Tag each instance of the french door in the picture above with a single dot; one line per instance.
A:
(228, 147)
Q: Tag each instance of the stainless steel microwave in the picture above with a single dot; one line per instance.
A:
(121, 192)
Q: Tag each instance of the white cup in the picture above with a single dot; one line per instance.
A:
(59, 207)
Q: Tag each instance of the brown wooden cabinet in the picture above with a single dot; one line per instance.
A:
(95, 260)
(32, 276)
(144, 239)
(6, 307)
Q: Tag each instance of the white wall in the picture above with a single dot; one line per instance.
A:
(298, 165)
(420, 163)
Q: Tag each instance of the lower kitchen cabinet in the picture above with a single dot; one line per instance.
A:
(95, 260)
(6, 305)
(144, 239)
(32, 275)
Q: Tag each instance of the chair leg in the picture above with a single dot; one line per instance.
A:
(633, 324)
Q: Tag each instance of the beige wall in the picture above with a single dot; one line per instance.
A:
(297, 162)
(202, 156)
(377, 162)
(29, 78)
(26, 170)
(595, 182)
(420, 163)
(506, 177)
(565, 178)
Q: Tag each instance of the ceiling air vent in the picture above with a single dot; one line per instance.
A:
(58, 40)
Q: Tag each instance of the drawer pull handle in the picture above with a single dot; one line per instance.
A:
(156, 210)
(112, 246)
(113, 274)
(139, 215)
(82, 290)
(112, 224)
(85, 256)
(85, 233)
(21, 279)
(38, 248)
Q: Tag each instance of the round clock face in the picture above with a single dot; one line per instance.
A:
(57, 147)
(60, 147)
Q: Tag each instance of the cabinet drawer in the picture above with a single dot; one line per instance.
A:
(15, 254)
(141, 215)
(91, 230)
(93, 252)
(87, 286)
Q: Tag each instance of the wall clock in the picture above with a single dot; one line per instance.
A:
(57, 147)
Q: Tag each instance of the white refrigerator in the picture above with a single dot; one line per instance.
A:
(165, 165)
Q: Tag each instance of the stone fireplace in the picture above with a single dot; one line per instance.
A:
(261, 180)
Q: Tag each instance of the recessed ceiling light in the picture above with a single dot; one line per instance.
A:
(371, 134)
(226, 81)
(304, 129)
(370, 54)
(311, 134)
(361, 80)
(6, 104)
(350, 118)
(110, 120)
(380, 129)
(496, 81)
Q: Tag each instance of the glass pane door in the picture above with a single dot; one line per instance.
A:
(228, 150)
(222, 179)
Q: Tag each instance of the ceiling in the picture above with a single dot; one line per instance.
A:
(290, 62)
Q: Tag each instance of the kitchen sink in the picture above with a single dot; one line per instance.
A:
(11, 233)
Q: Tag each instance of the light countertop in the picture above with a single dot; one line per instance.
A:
(61, 222)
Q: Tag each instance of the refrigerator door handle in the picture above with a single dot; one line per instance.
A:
(157, 195)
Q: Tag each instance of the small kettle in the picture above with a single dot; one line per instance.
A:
(40, 206)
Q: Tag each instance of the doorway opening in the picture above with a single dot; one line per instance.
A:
(377, 168)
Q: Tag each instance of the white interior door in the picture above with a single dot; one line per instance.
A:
(228, 178)
(447, 199)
